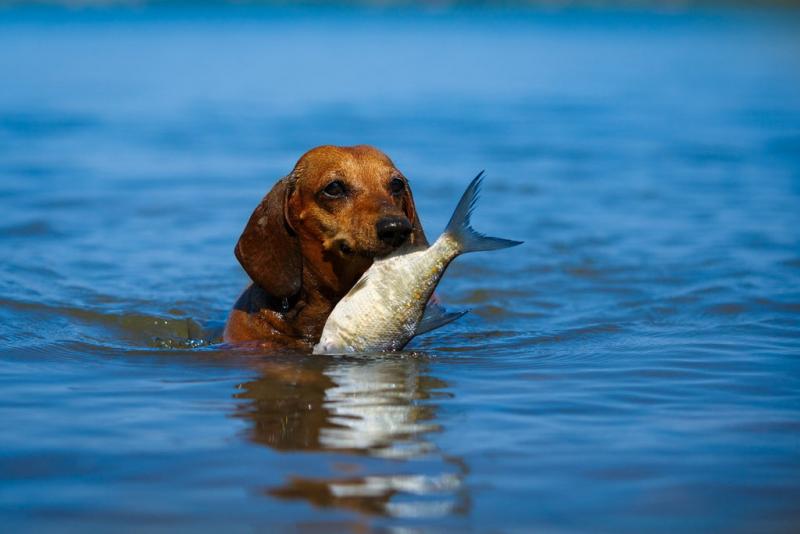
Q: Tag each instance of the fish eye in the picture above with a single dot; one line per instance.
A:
(335, 189)
(397, 186)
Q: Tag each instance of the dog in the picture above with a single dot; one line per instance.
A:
(312, 237)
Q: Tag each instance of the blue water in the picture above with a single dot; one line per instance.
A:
(633, 367)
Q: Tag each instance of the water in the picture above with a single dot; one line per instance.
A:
(634, 366)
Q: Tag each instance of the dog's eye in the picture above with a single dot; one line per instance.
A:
(335, 189)
(397, 186)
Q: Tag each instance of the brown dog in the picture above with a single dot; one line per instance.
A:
(312, 237)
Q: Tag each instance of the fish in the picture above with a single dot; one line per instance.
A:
(391, 302)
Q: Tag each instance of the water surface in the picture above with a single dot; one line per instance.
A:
(633, 367)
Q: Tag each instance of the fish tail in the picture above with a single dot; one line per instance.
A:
(468, 239)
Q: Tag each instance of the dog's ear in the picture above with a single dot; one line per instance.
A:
(417, 233)
(268, 249)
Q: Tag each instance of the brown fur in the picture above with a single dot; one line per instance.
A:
(304, 251)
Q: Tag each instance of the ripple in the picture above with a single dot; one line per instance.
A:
(728, 308)
(125, 329)
(37, 228)
(35, 124)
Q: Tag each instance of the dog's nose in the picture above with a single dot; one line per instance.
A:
(393, 230)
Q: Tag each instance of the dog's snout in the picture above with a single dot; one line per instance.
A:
(393, 230)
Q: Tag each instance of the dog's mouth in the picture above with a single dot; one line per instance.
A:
(345, 249)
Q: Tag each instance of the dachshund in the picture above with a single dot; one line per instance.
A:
(312, 237)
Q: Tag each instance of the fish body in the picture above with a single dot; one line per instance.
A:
(389, 304)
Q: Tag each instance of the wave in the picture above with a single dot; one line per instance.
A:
(38, 323)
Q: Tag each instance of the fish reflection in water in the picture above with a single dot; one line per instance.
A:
(370, 410)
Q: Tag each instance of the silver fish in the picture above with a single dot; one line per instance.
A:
(389, 304)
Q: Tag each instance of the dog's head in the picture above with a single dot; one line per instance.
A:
(337, 210)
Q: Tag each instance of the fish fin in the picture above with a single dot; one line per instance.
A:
(436, 316)
(362, 282)
(468, 239)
